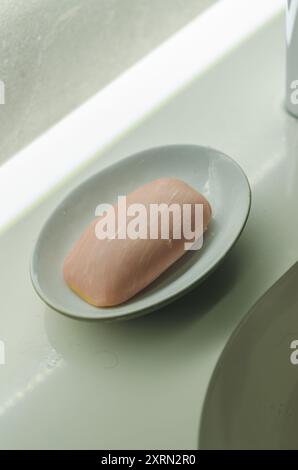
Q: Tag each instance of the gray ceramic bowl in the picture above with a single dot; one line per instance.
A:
(212, 173)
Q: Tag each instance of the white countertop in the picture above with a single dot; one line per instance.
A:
(141, 383)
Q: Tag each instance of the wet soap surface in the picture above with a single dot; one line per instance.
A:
(109, 271)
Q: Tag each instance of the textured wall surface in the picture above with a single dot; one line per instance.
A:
(54, 54)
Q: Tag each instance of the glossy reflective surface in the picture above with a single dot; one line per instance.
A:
(252, 399)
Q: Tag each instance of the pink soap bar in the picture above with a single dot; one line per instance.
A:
(107, 272)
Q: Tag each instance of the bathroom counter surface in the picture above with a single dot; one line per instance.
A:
(141, 383)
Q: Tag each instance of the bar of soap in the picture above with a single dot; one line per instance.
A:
(108, 272)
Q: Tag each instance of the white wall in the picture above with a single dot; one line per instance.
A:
(54, 54)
